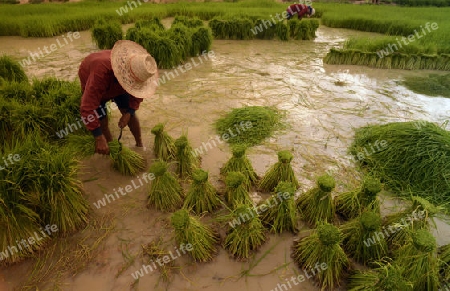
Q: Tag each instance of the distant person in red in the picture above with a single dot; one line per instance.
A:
(300, 10)
(126, 74)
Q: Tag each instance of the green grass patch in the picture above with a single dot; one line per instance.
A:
(434, 85)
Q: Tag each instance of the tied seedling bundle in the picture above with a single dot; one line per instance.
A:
(249, 125)
(351, 204)
(280, 172)
(236, 193)
(187, 161)
(416, 159)
(202, 196)
(317, 205)
(283, 216)
(238, 28)
(10, 70)
(240, 163)
(444, 259)
(362, 240)
(82, 145)
(106, 33)
(420, 261)
(189, 230)
(247, 233)
(201, 40)
(415, 217)
(164, 145)
(124, 160)
(191, 22)
(385, 277)
(322, 246)
(165, 192)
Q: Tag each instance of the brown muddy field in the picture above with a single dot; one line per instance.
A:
(323, 105)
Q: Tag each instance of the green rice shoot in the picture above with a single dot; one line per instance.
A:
(201, 196)
(124, 160)
(236, 192)
(164, 145)
(240, 163)
(281, 171)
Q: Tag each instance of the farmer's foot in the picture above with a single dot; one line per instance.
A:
(139, 144)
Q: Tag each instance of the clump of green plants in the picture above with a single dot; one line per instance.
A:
(284, 215)
(82, 145)
(316, 205)
(322, 246)
(240, 163)
(386, 277)
(268, 30)
(351, 204)
(444, 262)
(124, 160)
(416, 160)
(166, 53)
(281, 171)
(186, 160)
(182, 36)
(434, 85)
(106, 33)
(246, 236)
(249, 125)
(201, 41)
(190, 230)
(201, 196)
(154, 23)
(361, 238)
(10, 70)
(239, 28)
(164, 145)
(420, 261)
(165, 191)
(191, 22)
(304, 29)
(236, 192)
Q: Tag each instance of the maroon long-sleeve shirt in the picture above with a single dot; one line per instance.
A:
(299, 9)
(99, 85)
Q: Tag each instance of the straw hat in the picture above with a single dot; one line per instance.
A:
(134, 68)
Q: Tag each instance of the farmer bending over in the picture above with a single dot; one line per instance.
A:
(126, 74)
(300, 10)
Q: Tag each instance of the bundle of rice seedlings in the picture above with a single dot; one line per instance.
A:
(182, 36)
(385, 277)
(124, 160)
(106, 33)
(282, 31)
(361, 238)
(249, 125)
(284, 215)
(20, 92)
(420, 261)
(154, 22)
(444, 262)
(268, 32)
(186, 160)
(201, 41)
(351, 204)
(166, 53)
(246, 236)
(30, 119)
(10, 70)
(191, 22)
(5, 121)
(201, 196)
(416, 160)
(82, 145)
(189, 230)
(239, 28)
(236, 192)
(281, 171)
(165, 192)
(322, 247)
(240, 163)
(164, 145)
(415, 217)
(316, 205)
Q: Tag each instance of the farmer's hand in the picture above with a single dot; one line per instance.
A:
(101, 145)
(124, 120)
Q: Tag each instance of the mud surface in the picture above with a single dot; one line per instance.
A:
(323, 105)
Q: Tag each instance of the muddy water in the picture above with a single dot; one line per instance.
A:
(323, 105)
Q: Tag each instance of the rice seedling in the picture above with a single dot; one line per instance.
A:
(82, 145)
(154, 22)
(281, 171)
(358, 235)
(240, 163)
(246, 237)
(190, 230)
(166, 53)
(30, 119)
(186, 160)
(236, 193)
(10, 70)
(201, 196)
(249, 125)
(444, 262)
(201, 40)
(20, 92)
(434, 85)
(416, 160)
(322, 246)
(238, 28)
(316, 205)
(385, 277)
(284, 215)
(106, 33)
(191, 22)
(165, 192)
(351, 204)
(164, 145)
(420, 261)
(124, 160)
(419, 215)
(182, 36)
